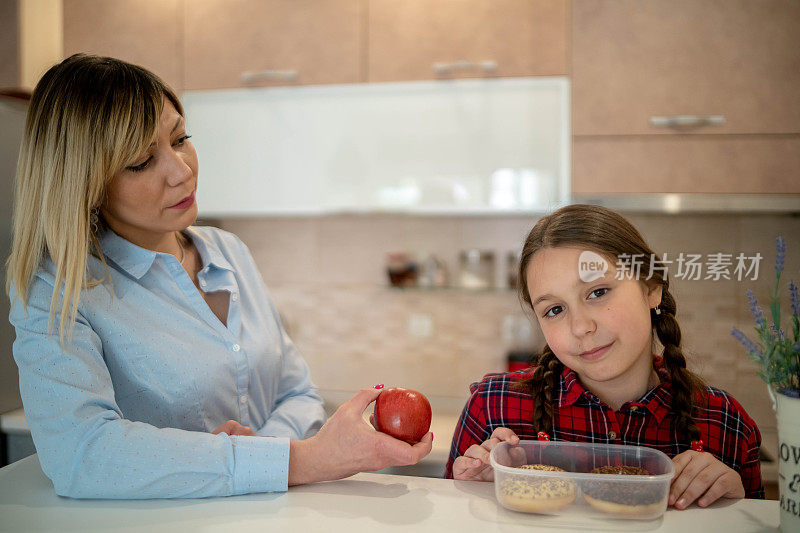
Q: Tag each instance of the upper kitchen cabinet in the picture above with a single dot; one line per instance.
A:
(693, 66)
(268, 42)
(139, 31)
(685, 96)
(421, 40)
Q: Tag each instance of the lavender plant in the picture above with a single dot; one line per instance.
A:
(778, 354)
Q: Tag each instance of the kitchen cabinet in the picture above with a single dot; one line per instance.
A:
(30, 42)
(9, 44)
(267, 42)
(724, 73)
(418, 40)
(466, 146)
(146, 33)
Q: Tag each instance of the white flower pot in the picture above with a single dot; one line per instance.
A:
(788, 411)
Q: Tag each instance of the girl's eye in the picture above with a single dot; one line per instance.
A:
(141, 166)
(182, 140)
(553, 311)
(601, 292)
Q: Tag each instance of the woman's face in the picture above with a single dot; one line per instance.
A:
(600, 329)
(155, 195)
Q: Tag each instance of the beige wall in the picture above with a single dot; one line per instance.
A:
(327, 277)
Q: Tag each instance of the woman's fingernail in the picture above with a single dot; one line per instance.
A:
(681, 503)
(378, 386)
(701, 503)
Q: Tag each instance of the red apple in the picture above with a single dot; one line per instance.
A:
(402, 413)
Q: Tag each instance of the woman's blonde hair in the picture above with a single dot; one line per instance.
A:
(88, 118)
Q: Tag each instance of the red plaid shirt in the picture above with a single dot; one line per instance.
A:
(579, 416)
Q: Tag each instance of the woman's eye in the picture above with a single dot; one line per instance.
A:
(597, 293)
(552, 312)
(140, 166)
(182, 140)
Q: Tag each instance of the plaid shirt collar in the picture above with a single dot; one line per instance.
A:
(657, 400)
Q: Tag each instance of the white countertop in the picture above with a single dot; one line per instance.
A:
(365, 502)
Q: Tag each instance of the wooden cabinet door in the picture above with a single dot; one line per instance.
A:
(318, 40)
(143, 32)
(407, 38)
(636, 59)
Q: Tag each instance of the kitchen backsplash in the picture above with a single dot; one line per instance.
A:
(327, 276)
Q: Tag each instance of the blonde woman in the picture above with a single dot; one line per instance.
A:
(152, 361)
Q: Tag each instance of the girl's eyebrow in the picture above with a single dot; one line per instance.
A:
(605, 279)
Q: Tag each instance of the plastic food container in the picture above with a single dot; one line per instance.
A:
(577, 490)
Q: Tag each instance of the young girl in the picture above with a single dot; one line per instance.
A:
(598, 379)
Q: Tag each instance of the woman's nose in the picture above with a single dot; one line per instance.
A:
(178, 170)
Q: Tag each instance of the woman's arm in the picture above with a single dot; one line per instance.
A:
(89, 450)
(298, 411)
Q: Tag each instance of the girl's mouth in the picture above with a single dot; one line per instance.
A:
(595, 354)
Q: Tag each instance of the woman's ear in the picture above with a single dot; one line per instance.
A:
(654, 295)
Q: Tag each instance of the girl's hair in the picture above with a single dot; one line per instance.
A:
(88, 118)
(609, 234)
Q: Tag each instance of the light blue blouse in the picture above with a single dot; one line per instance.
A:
(126, 409)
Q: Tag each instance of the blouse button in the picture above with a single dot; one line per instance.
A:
(236, 347)
(242, 400)
(235, 297)
(202, 283)
(634, 408)
(612, 435)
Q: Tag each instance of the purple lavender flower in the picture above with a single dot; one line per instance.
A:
(781, 253)
(794, 298)
(750, 346)
(758, 314)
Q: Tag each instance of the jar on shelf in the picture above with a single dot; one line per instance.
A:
(476, 269)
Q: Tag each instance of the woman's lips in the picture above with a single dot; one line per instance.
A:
(185, 203)
(595, 354)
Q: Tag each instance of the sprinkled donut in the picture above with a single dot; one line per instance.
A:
(622, 498)
(537, 494)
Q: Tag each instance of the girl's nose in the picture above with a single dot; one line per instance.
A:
(582, 324)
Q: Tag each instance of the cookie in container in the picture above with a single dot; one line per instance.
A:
(599, 480)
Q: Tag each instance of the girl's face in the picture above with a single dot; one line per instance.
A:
(600, 329)
(155, 195)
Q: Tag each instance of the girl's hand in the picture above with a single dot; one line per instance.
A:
(474, 464)
(232, 427)
(347, 444)
(700, 474)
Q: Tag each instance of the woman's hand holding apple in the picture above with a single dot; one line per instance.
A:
(347, 444)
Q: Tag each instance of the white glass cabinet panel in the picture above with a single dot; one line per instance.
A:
(458, 146)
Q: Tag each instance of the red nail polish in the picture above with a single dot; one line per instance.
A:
(378, 386)
(542, 436)
(697, 445)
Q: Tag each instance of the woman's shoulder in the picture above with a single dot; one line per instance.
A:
(224, 240)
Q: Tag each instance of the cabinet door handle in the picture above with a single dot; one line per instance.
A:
(444, 68)
(251, 77)
(687, 121)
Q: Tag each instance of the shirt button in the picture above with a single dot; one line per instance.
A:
(236, 347)
(202, 283)
(612, 435)
(242, 400)
(235, 297)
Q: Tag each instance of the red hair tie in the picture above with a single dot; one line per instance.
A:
(542, 436)
(697, 445)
